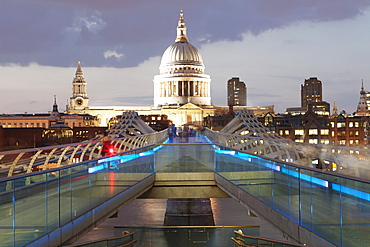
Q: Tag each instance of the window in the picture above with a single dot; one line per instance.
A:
(341, 133)
(341, 125)
(332, 124)
(342, 142)
(350, 124)
(286, 132)
(324, 132)
(299, 132)
(312, 141)
(357, 124)
(281, 132)
(312, 131)
(324, 141)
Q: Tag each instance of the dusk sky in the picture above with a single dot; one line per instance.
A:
(271, 45)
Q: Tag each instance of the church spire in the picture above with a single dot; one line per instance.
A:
(362, 108)
(54, 115)
(335, 109)
(362, 88)
(181, 29)
(55, 106)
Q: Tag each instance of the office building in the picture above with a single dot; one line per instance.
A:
(236, 92)
(311, 91)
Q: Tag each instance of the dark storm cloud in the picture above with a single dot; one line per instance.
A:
(60, 32)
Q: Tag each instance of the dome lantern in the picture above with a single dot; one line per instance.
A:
(181, 29)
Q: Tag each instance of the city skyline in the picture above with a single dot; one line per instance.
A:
(272, 47)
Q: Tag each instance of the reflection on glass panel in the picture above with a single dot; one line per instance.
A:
(6, 213)
(65, 196)
(80, 192)
(355, 211)
(30, 208)
(52, 199)
(305, 200)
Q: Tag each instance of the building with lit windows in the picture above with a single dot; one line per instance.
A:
(308, 128)
(311, 91)
(341, 130)
(236, 92)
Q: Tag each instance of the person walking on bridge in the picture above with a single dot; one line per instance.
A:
(106, 144)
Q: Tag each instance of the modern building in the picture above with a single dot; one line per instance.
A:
(311, 91)
(311, 97)
(236, 92)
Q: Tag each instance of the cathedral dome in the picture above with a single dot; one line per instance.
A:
(181, 78)
(181, 53)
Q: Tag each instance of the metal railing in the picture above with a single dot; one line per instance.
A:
(241, 240)
(126, 240)
(344, 160)
(27, 160)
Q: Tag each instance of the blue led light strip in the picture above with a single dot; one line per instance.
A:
(123, 158)
(318, 181)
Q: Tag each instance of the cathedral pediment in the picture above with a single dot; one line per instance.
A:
(190, 106)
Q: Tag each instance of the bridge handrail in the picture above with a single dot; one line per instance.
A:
(239, 239)
(71, 153)
(346, 160)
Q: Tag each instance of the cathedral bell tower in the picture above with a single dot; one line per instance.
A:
(79, 99)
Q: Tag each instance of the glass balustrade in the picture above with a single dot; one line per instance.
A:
(334, 207)
(337, 208)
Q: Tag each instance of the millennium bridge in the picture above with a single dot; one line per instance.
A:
(315, 195)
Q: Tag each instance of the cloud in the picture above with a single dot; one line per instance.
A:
(109, 53)
(60, 32)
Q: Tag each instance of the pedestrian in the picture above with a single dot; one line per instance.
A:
(106, 144)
